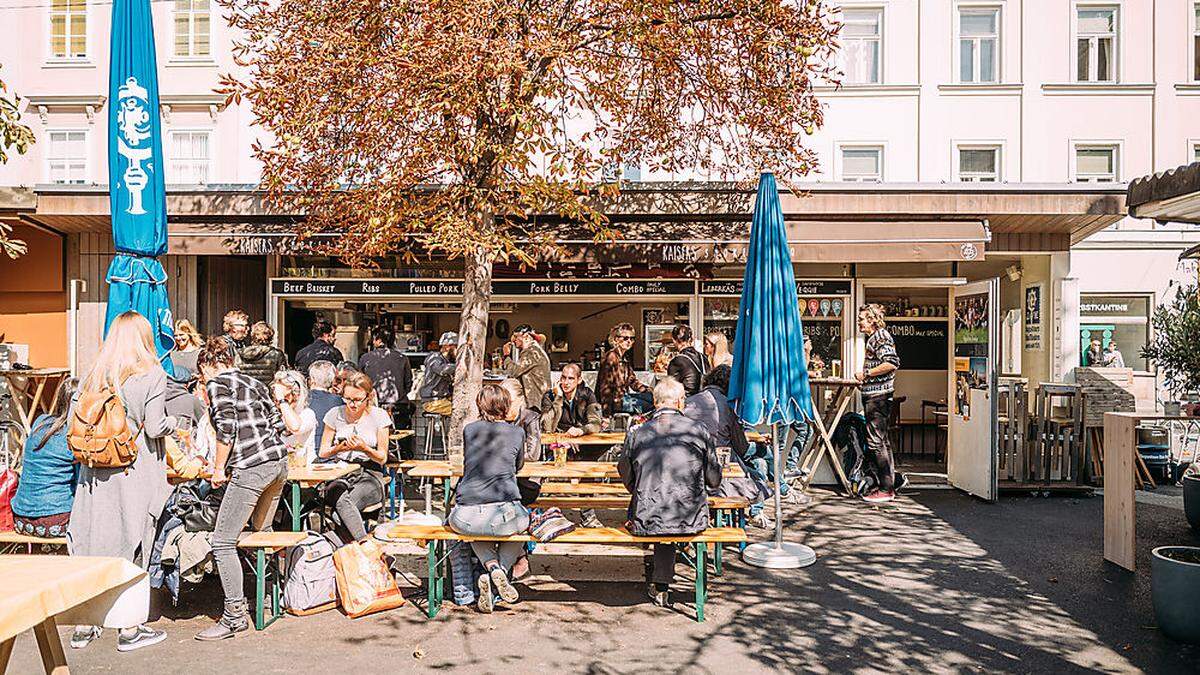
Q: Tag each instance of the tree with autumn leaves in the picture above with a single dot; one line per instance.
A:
(418, 127)
(16, 137)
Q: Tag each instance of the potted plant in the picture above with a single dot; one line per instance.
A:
(1175, 347)
(1175, 587)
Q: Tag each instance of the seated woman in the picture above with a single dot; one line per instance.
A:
(356, 432)
(291, 395)
(486, 500)
(42, 505)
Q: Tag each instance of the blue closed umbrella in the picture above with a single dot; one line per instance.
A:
(137, 196)
(769, 382)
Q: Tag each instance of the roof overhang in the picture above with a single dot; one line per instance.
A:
(1020, 217)
(1168, 196)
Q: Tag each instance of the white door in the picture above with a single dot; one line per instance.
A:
(971, 452)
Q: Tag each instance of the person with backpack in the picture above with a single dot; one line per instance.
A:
(251, 462)
(689, 366)
(42, 505)
(116, 433)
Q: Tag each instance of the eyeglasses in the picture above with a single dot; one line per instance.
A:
(624, 337)
(355, 401)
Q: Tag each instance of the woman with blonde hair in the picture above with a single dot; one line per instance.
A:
(291, 395)
(716, 348)
(188, 342)
(116, 510)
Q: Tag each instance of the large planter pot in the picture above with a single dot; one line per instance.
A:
(1175, 588)
(1191, 501)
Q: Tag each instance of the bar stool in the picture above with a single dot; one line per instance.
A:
(437, 420)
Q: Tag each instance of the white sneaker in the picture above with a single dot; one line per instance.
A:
(761, 520)
(143, 636)
(85, 635)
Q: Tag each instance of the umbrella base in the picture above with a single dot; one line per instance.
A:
(787, 556)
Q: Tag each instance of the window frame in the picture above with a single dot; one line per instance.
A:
(1118, 154)
(170, 159)
(50, 159)
(67, 58)
(1194, 46)
(996, 146)
(1093, 49)
(190, 56)
(881, 12)
(956, 47)
(1151, 305)
(840, 164)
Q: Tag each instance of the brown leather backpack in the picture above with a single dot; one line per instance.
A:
(99, 433)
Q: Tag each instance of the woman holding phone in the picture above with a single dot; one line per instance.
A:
(356, 432)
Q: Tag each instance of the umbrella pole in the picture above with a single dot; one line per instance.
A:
(779, 554)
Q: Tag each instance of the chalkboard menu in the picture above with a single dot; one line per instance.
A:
(922, 345)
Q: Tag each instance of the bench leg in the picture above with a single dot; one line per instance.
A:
(446, 496)
(260, 587)
(717, 548)
(295, 506)
(433, 584)
(393, 476)
(741, 522)
(701, 579)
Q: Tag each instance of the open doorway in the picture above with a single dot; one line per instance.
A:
(921, 322)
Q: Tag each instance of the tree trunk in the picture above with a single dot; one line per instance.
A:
(472, 343)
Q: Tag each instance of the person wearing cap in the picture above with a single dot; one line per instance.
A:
(531, 367)
(438, 383)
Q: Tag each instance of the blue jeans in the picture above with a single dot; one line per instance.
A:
(803, 433)
(498, 518)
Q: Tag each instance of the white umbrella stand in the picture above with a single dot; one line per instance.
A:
(780, 554)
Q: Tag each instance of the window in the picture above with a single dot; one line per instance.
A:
(191, 28)
(1120, 319)
(189, 157)
(979, 164)
(67, 157)
(1096, 44)
(861, 43)
(1196, 44)
(1095, 164)
(68, 29)
(978, 45)
(1196, 152)
(862, 164)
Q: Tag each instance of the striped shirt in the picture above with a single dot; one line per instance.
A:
(881, 348)
(246, 419)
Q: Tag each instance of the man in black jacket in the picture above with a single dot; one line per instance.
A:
(668, 464)
(391, 372)
(321, 349)
(689, 365)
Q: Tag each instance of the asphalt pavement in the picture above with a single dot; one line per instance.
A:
(935, 582)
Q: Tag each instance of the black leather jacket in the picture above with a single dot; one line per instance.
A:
(689, 367)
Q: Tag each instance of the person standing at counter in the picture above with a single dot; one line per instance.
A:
(716, 349)
(438, 383)
(878, 379)
(321, 349)
(689, 365)
(532, 366)
(617, 385)
(571, 408)
(390, 371)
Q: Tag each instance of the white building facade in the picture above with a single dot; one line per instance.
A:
(1014, 93)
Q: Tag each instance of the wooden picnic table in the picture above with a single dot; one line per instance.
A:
(618, 438)
(38, 588)
(33, 393)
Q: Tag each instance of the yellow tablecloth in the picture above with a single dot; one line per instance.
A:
(36, 587)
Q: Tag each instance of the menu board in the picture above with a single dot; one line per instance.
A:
(921, 345)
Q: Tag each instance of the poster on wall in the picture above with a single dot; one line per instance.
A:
(1033, 317)
(971, 336)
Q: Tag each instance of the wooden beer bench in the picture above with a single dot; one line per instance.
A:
(275, 544)
(436, 536)
(12, 538)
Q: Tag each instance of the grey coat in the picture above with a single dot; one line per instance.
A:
(712, 409)
(116, 510)
(667, 464)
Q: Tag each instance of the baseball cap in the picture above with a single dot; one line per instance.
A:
(448, 338)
